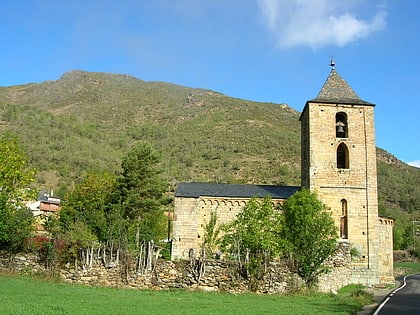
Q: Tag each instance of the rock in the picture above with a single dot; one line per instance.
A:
(207, 289)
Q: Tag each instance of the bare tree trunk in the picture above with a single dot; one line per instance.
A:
(238, 254)
(82, 258)
(149, 256)
(138, 236)
(140, 260)
(87, 255)
(91, 258)
(104, 256)
(138, 233)
(191, 257)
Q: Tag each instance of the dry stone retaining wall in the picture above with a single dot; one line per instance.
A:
(216, 275)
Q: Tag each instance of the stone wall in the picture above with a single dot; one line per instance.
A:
(212, 275)
(208, 275)
(192, 215)
(386, 253)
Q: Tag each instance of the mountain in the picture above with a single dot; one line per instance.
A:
(87, 121)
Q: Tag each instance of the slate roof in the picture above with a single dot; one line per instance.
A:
(337, 90)
(196, 190)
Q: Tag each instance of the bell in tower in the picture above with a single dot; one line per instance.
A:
(340, 131)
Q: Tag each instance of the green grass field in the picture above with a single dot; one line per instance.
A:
(32, 296)
(407, 268)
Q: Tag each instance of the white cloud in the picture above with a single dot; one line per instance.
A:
(415, 163)
(317, 23)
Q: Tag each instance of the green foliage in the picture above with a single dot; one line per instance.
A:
(141, 191)
(16, 226)
(114, 212)
(304, 230)
(151, 226)
(44, 247)
(399, 186)
(211, 236)
(15, 173)
(399, 197)
(311, 234)
(88, 203)
(140, 184)
(253, 238)
(407, 268)
(16, 220)
(80, 236)
(355, 252)
(356, 293)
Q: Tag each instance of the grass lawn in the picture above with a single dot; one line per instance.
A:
(407, 268)
(32, 296)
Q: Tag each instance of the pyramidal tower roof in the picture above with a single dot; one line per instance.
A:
(337, 90)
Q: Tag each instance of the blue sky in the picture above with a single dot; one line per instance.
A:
(264, 50)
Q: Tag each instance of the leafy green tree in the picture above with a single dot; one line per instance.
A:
(311, 234)
(141, 192)
(16, 220)
(80, 239)
(253, 238)
(211, 236)
(88, 218)
(88, 202)
(16, 226)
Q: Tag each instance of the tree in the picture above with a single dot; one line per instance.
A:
(253, 238)
(88, 202)
(211, 236)
(141, 190)
(85, 220)
(16, 220)
(311, 234)
(81, 242)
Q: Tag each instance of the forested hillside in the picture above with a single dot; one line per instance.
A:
(87, 121)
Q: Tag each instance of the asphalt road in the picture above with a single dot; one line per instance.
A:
(402, 301)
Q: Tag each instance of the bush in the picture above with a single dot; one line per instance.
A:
(357, 293)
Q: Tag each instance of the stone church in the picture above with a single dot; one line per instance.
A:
(338, 157)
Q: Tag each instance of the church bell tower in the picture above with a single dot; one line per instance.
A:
(339, 164)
